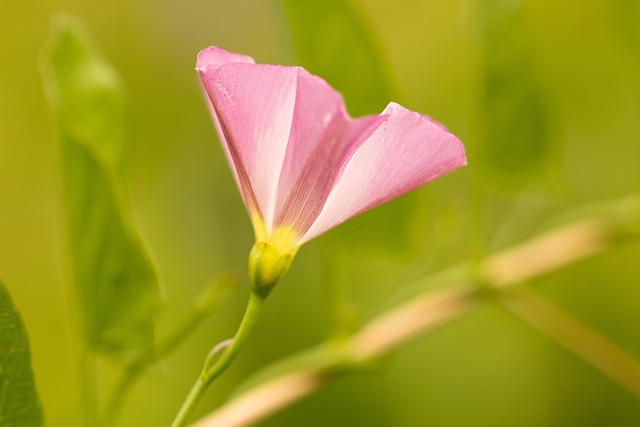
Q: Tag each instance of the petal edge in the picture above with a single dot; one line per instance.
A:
(407, 151)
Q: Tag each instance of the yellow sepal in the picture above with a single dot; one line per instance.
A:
(271, 256)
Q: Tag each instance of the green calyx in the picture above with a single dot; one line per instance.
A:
(267, 265)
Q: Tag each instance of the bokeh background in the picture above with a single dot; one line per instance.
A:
(544, 94)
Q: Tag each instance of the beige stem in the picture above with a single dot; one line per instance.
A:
(390, 330)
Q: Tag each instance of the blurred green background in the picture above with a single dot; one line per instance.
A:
(545, 97)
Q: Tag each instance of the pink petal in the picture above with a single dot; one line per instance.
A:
(209, 60)
(286, 134)
(254, 108)
(320, 136)
(405, 152)
(212, 58)
(298, 158)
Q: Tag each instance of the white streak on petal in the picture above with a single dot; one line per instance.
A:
(254, 107)
(405, 152)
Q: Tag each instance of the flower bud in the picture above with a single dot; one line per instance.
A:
(266, 267)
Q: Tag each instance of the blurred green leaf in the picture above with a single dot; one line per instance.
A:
(114, 278)
(514, 139)
(19, 402)
(331, 39)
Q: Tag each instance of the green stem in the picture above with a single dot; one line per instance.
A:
(144, 360)
(202, 308)
(211, 372)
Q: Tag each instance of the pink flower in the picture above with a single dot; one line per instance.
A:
(302, 164)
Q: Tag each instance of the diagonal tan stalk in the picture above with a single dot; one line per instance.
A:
(391, 330)
(575, 336)
(417, 316)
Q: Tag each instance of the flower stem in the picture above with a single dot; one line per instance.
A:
(202, 307)
(213, 370)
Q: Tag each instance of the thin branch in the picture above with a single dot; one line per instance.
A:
(575, 336)
(397, 327)
(547, 252)
(216, 364)
(388, 331)
(202, 307)
(265, 399)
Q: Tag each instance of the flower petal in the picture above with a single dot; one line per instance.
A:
(405, 152)
(253, 104)
(213, 58)
(210, 59)
(320, 139)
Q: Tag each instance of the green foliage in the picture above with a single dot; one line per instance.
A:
(115, 281)
(514, 134)
(19, 402)
(331, 39)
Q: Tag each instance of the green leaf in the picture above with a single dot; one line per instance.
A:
(332, 39)
(19, 402)
(514, 141)
(114, 278)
